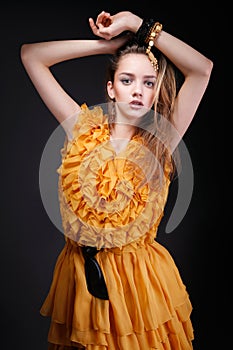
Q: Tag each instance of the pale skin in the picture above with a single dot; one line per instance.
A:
(134, 78)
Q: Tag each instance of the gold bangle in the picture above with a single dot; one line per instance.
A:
(152, 36)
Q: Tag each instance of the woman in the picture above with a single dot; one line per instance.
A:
(114, 286)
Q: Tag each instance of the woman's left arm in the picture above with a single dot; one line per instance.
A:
(195, 67)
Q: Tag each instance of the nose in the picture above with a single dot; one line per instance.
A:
(137, 90)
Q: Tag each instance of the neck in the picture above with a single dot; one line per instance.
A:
(122, 131)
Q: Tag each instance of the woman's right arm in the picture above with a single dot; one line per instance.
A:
(37, 59)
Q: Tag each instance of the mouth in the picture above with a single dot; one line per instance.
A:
(136, 104)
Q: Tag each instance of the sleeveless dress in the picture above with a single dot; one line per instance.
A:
(106, 204)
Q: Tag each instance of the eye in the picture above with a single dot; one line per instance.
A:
(149, 83)
(126, 81)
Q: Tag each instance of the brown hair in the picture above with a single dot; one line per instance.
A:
(156, 127)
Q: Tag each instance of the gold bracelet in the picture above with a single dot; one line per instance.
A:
(152, 36)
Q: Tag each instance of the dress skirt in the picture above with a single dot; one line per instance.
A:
(148, 306)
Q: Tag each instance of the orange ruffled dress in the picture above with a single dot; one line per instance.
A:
(105, 204)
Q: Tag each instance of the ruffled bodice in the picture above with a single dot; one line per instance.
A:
(108, 199)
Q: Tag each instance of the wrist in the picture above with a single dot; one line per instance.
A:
(136, 23)
(148, 32)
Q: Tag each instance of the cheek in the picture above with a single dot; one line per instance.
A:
(121, 94)
(150, 99)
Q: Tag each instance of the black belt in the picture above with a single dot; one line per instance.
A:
(94, 276)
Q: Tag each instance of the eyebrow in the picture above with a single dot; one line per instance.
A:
(131, 75)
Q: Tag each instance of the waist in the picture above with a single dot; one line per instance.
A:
(128, 248)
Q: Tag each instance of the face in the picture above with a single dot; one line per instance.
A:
(134, 86)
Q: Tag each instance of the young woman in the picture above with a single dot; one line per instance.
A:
(114, 286)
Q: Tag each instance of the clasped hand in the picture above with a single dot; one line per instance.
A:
(108, 27)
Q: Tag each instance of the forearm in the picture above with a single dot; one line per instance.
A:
(185, 58)
(53, 52)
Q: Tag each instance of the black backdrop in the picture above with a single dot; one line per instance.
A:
(30, 243)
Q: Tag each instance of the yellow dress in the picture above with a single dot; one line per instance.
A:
(105, 204)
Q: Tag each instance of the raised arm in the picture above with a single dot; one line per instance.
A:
(37, 59)
(195, 67)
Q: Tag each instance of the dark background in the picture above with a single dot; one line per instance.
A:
(30, 243)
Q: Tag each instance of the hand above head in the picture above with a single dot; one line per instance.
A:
(108, 27)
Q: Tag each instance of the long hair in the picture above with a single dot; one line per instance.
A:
(155, 127)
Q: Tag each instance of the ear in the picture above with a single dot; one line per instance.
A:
(110, 90)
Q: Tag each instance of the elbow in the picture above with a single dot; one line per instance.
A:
(208, 67)
(26, 53)
(204, 71)
(24, 50)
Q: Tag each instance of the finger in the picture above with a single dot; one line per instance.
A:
(107, 21)
(99, 18)
(97, 31)
(102, 14)
(103, 19)
(93, 26)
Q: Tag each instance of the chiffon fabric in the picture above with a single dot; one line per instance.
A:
(106, 203)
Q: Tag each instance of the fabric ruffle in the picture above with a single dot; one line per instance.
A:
(148, 308)
(108, 199)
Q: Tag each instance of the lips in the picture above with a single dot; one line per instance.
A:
(136, 103)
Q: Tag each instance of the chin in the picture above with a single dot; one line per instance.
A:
(132, 112)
